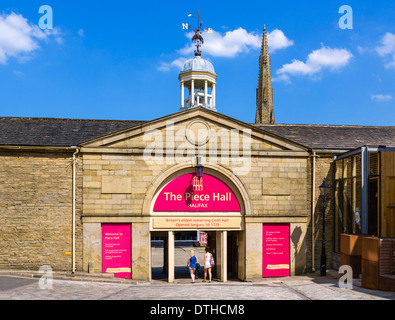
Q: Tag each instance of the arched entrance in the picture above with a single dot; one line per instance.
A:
(214, 205)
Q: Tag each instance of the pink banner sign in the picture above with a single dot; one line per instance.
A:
(116, 249)
(203, 238)
(275, 250)
(188, 193)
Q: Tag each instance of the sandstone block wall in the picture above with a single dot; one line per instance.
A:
(323, 169)
(36, 211)
(114, 182)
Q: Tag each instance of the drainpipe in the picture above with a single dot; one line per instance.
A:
(312, 217)
(73, 257)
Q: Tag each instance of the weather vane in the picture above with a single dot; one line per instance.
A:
(197, 37)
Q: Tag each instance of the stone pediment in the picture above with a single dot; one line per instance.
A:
(191, 130)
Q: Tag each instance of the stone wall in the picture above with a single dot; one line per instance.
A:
(36, 211)
(323, 169)
(277, 186)
(116, 184)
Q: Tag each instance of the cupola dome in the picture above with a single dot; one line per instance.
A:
(198, 64)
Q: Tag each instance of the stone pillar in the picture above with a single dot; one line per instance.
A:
(298, 247)
(205, 92)
(222, 255)
(192, 93)
(182, 94)
(241, 255)
(253, 236)
(141, 252)
(170, 256)
(213, 95)
(165, 255)
(92, 244)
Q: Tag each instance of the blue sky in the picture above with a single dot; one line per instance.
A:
(121, 59)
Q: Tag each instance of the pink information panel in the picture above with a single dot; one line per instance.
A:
(116, 249)
(188, 193)
(275, 250)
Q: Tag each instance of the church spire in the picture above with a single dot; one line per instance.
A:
(264, 92)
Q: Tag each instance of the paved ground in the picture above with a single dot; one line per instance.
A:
(180, 256)
(24, 285)
(83, 287)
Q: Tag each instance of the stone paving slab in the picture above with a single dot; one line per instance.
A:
(306, 287)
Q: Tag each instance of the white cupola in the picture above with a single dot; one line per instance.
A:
(198, 76)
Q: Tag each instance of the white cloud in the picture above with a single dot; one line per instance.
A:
(362, 50)
(19, 38)
(18, 73)
(328, 57)
(381, 97)
(80, 32)
(387, 48)
(277, 40)
(237, 41)
(297, 67)
(177, 63)
(228, 45)
(325, 57)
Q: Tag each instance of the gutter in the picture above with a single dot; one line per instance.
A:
(332, 151)
(37, 148)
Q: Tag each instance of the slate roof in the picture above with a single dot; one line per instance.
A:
(336, 137)
(56, 132)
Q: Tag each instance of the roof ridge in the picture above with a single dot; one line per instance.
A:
(321, 125)
(67, 119)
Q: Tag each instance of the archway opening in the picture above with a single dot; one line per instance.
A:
(184, 207)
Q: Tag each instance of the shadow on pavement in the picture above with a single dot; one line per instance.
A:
(10, 282)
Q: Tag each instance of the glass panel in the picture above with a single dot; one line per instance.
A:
(373, 206)
(393, 258)
(339, 169)
(347, 206)
(358, 206)
(347, 168)
(358, 165)
(373, 164)
(338, 215)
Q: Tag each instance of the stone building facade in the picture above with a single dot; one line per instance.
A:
(119, 174)
(63, 182)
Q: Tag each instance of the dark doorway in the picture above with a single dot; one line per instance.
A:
(233, 255)
(373, 204)
(159, 256)
(159, 247)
